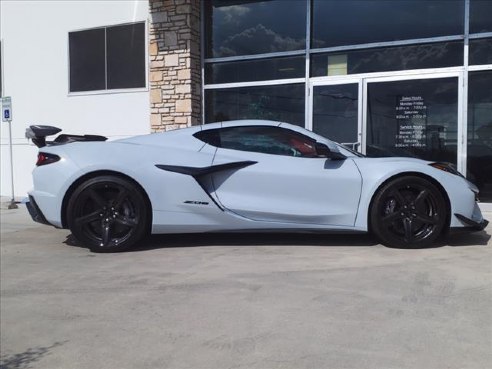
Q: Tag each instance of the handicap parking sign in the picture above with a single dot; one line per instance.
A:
(6, 109)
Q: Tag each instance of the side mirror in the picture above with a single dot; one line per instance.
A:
(323, 151)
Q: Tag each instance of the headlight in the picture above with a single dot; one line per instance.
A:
(447, 167)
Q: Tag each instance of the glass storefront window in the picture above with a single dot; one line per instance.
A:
(480, 16)
(438, 55)
(352, 22)
(335, 112)
(480, 51)
(255, 70)
(479, 150)
(254, 27)
(415, 118)
(283, 103)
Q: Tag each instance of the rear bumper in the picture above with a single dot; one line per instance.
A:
(35, 212)
(471, 224)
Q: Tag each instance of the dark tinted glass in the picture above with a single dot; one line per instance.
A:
(480, 16)
(479, 153)
(87, 64)
(267, 140)
(335, 112)
(283, 103)
(255, 70)
(481, 51)
(126, 56)
(416, 118)
(352, 22)
(243, 27)
(210, 136)
(447, 54)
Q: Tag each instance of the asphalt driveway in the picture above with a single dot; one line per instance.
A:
(243, 301)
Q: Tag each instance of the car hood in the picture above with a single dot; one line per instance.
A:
(394, 159)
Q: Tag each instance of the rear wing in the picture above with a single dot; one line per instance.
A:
(38, 134)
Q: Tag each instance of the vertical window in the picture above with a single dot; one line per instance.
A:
(416, 118)
(480, 16)
(126, 56)
(107, 58)
(479, 152)
(335, 112)
(87, 60)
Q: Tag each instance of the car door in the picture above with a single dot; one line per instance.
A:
(286, 181)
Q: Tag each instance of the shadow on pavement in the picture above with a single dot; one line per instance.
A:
(246, 239)
(256, 239)
(25, 359)
(461, 238)
(152, 242)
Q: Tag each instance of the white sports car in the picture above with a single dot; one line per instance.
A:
(249, 175)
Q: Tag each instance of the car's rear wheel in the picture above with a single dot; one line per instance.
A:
(408, 212)
(108, 214)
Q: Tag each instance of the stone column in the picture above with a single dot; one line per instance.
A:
(175, 69)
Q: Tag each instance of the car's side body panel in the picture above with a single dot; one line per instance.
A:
(289, 189)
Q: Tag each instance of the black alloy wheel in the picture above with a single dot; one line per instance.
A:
(108, 214)
(408, 212)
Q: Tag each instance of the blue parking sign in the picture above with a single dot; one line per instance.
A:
(7, 109)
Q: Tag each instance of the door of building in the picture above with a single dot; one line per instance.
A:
(416, 117)
(412, 115)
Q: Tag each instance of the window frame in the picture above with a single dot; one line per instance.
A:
(110, 91)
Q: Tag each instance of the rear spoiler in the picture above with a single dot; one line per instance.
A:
(38, 134)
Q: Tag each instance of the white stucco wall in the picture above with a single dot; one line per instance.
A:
(34, 36)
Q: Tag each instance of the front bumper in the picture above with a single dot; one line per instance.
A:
(35, 212)
(471, 224)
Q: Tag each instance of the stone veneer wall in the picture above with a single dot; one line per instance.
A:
(175, 69)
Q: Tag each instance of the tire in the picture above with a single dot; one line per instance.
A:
(408, 212)
(108, 214)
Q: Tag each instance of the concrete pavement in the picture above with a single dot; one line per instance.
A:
(243, 301)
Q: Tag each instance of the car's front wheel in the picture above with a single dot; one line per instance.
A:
(108, 214)
(408, 212)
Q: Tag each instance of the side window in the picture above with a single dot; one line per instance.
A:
(267, 140)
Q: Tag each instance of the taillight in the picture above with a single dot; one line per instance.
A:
(44, 158)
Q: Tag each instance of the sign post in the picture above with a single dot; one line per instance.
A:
(7, 117)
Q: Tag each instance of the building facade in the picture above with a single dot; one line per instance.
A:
(406, 78)
(60, 67)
